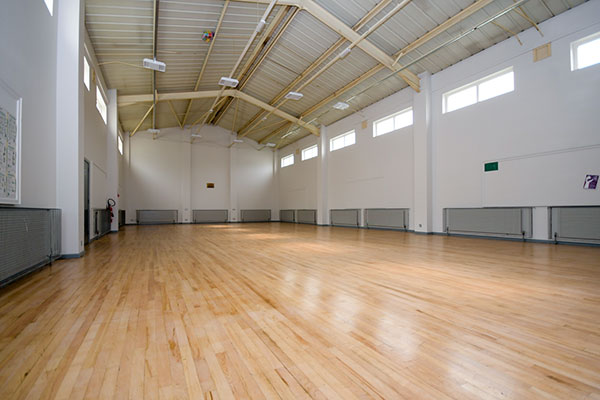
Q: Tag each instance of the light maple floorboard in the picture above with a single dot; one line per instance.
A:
(269, 311)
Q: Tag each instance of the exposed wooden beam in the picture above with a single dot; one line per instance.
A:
(523, 14)
(510, 32)
(345, 31)
(205, 63)
(363, 21)
(444, 26)
(175, 114)
(218, 93)
(266, 44)
(137, 127)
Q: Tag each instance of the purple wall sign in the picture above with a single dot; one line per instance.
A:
(591, 182)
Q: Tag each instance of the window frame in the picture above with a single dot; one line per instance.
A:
(120, 144)
(343, 135)
(103, 110)
(575, 50)
(309, 148)
(87, 74)
(393, 118)
(475, 84)
(50, 6)
(287, 157)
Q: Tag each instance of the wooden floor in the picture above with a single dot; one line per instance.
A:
(270, 311)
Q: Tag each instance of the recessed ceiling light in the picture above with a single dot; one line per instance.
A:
(294, 96)
(341, 105)
(229, 82)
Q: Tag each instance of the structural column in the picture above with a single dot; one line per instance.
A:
(323, 180)
(423, 176)
(112, 157)
(69, 124)
(233, 194)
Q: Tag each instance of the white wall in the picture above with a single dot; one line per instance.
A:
(22, 48)
(171, 173)
(376, 172)
(544, 134)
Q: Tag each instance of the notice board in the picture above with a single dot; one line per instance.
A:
(10, 145)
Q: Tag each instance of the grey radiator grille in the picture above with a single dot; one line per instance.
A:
(256, 215)
(503, 222)
(576, 224)
(390, 218)
(287, 216)
(306, 216)
(122, 218)
(349, 217)
(152, 217)
(210, 216)
(29, 238)
(101, 222)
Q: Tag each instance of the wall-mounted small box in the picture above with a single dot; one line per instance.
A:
(210, 185)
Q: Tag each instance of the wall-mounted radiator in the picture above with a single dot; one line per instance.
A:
(511, 222)
(29, 239)
(306, 217)
(255, 215)
(348, 217)
(210, 216)
(387, 218)
(101, 222)
(155, 217)
(575, 224)
(287, 215)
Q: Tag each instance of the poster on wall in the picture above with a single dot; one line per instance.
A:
(10, 145)
(591, 182)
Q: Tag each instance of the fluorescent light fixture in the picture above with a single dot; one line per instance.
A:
(154, 131)
(196, 135)
(294, 96)
(345, 52)
(341, 105)
(260, 25)
(153, 64)
(238, 141)
(270, 145)
(229, 82)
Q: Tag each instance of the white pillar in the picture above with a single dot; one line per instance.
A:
(323, 180)
(422, 211)
(186, 181)
(275, 188)
(233, 194)
(69, 124)
(112, 157)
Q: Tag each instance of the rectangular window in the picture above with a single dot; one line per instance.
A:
(86, 73)
(310, 152)
(393, 122)
(50, 5)
(343, 140)
(585, 52)
(483, 89)
(100, 104)
(120, 144)
(287, 161)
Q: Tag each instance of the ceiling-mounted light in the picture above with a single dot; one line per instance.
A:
(153, 64)
(341, 105)
(270, 145)
(196, 135)
(294, 96)
(154, 131)
(345, 52)
(229, 82)
(238, 141)
(260, 25)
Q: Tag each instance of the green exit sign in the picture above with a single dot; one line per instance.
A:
(491, 166)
